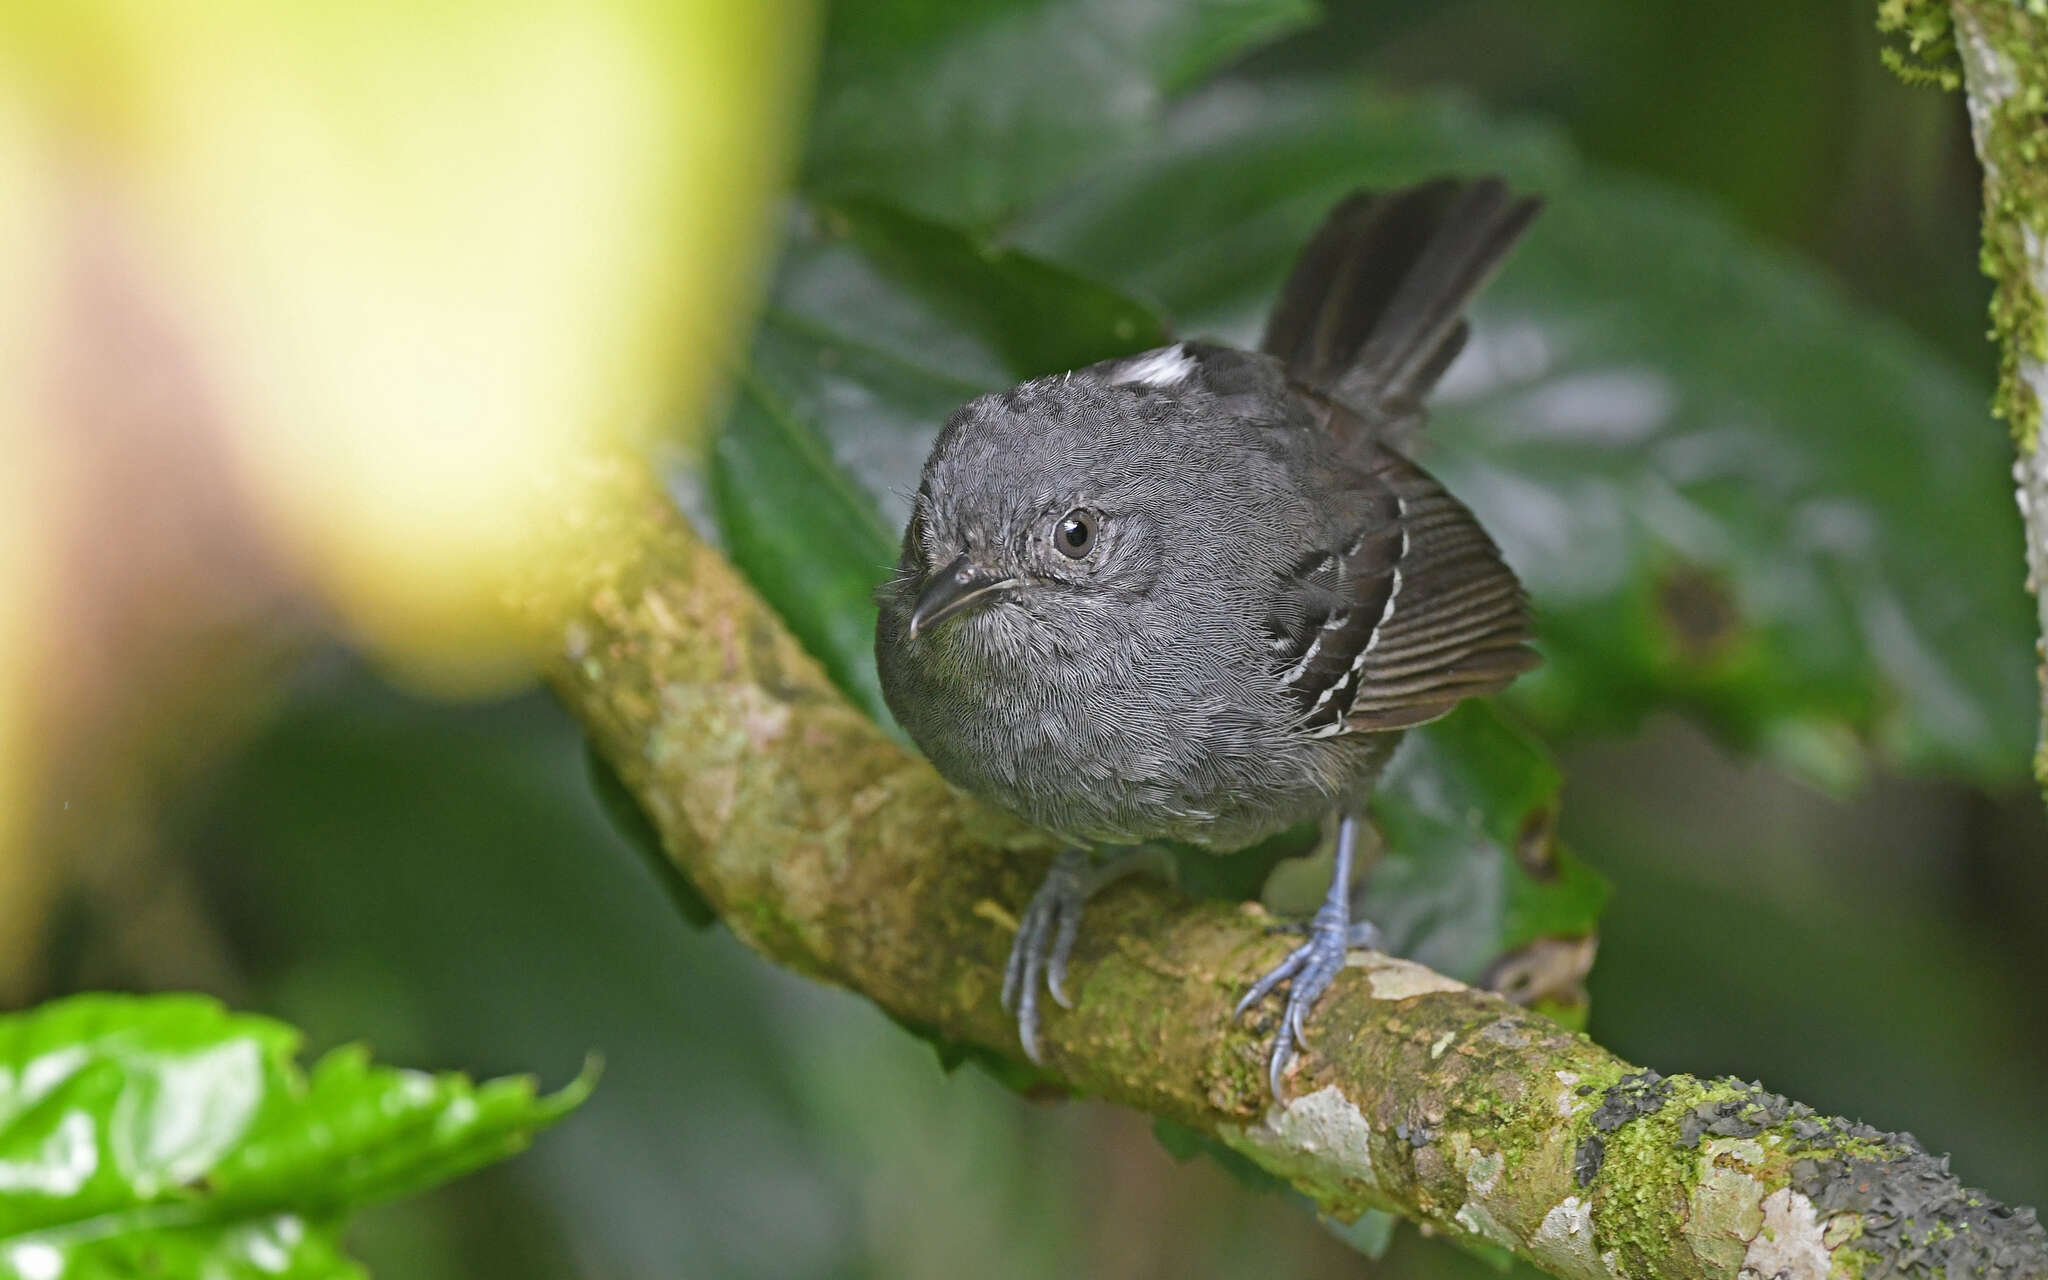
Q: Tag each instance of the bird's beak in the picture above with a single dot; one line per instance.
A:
(960, 586)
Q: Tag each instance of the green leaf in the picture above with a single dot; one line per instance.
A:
(164, 1135)
(1014, 293)
(1726, 487)
(966, 110)
(810, 540)
(1471, 873)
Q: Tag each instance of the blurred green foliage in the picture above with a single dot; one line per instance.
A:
(965, 111)
(1737, 488)
(163, 1135)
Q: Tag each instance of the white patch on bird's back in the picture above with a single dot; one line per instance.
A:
(1165, 367)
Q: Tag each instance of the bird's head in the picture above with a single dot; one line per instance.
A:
(1041, 519)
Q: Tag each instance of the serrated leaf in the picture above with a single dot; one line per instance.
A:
(965, 110)
(1726, 487)
(164, 1135)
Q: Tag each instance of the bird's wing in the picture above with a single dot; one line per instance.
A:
(1409, 611)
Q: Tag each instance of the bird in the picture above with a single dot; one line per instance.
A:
(1197, 594)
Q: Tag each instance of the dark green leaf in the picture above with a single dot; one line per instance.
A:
(164, 1135)
(1013, 293)
(806, 535)
(1470, 872)
(1725, 486)
(965, 110)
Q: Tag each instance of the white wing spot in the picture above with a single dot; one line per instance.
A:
(1333, 690)
(1393, 593)
(1162, 368)
(1300, 669)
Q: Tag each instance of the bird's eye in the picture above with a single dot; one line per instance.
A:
(1075, 536)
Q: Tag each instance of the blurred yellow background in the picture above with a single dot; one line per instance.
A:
(306, 311)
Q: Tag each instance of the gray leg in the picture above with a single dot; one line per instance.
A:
(1314, 964)
(1046, 933)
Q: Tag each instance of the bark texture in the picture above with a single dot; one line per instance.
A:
(2003, 48)
(833, 850)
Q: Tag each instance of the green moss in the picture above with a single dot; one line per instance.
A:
(2013, 142)
(1929, 55)
(1647, 1173)
(761, 921)
(2015, 146)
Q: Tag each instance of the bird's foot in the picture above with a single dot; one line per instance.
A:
(1359, 935)
(1308, 972)
(1046, 933)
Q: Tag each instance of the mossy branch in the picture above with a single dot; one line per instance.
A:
(834, 851)
(2002, 47)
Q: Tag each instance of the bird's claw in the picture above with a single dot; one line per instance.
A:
(1045, 938)
(1308, 971)
(1045, 935)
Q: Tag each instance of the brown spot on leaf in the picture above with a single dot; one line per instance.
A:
(1535, 842)
(1546, 969)
(1698, 613)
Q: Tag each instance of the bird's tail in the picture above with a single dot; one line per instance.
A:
(1373, 312)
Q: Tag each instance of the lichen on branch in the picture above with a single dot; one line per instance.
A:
(834, 851)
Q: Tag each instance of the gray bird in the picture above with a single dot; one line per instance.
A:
(1196, 594)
